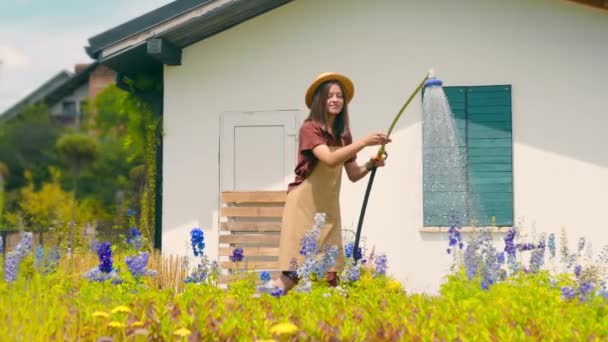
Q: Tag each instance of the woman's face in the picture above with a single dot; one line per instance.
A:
(335, 100)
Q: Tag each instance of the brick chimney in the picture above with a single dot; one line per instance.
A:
(100, 78)
(78, 68)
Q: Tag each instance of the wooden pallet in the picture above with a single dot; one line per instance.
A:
(252, 221)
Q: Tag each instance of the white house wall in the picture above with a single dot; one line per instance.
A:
(553, 53)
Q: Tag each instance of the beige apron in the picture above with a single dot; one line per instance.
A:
(318, 193)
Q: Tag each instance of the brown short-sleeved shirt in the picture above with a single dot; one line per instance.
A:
(312, 135)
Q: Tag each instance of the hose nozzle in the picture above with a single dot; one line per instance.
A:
(432, 81)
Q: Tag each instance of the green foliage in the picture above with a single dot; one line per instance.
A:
(27, 142)
(63, 305)
(49, 208)
(80, 150)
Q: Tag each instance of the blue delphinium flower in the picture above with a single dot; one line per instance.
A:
(348, 251)
(104, 252)
(135, 239)
(131, 212)
(568, 292)
(471, 259)
(137, 264)
(1, 245)
(310, 243)
(11, 266)
(24, 246)
(95, 274)
(197, 239)
(277, 292)
(551, 245)
(237, 255)
(577, 270)
(381, 265)
(509, 245)
(197, 276)
(454, 236)
(264, 276)
(585, 290)
(354, 274)
(537, 258)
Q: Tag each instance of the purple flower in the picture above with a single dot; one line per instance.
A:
(584, 290)
(577, 270)
(198, 275)
(509, 245)
(1, 245)
(568, 292)
(25, 245)
(137, 264)
(11, 266)
(454, 236)
(237, 255)
(309, 243)
(131, 212)
(354, 273)
(381, 265)
(104, 252)
(277, 292)
(348, 251)
(197, 239)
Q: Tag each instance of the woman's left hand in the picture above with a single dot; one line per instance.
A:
(376, 162)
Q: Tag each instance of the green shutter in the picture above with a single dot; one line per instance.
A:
(490, 166)
(483, 120)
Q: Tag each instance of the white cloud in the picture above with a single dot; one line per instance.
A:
(13, 58)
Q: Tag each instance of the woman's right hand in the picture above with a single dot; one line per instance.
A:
(376, 138)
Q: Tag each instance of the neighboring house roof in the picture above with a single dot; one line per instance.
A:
(128, 48)
(53, 90)
(37, 95)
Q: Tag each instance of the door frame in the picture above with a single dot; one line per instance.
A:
(287, 118)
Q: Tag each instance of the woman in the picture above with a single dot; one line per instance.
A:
(325, 145)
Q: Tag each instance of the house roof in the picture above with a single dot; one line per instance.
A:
(178, 24)
(38, 94)
(53, 90)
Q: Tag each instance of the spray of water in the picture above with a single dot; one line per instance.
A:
(445, 163)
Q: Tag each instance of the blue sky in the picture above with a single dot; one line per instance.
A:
(39, 38)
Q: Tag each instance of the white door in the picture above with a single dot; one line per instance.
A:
(257, 150)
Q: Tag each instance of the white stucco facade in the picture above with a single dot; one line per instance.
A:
(553, 53)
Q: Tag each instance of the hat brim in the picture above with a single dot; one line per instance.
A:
(347, 85)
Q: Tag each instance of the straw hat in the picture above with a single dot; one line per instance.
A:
(347, 84)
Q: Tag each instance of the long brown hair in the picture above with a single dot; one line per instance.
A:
(318, 110)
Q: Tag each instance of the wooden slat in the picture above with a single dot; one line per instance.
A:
(251, 265)
(252, 212)
(252, 251)
(254, 197)
(251, 226)
(244, 238)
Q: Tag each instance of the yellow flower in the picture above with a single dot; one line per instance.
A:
(101, 314)
(121, 308)
(115, 324)
(182, 332)
(286, 328)
(266, 340)
(394, 285)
